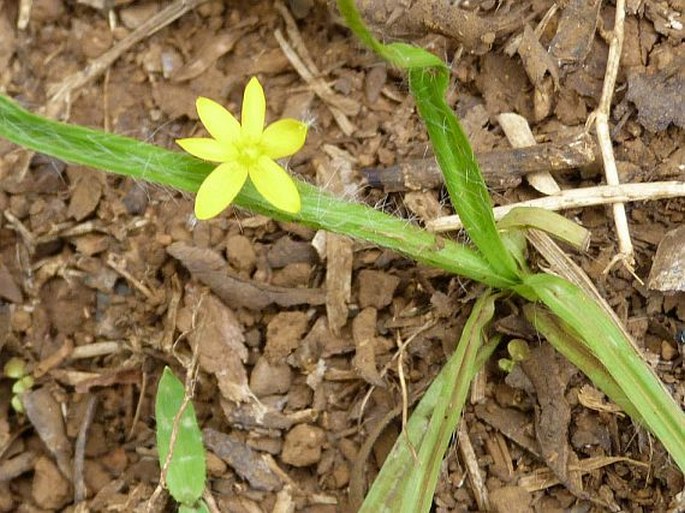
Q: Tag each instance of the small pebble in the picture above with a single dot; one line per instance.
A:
(269, 379)
(668, 352)
(303, 445)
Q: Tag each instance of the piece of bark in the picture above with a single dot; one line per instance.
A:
(550, 375)
(210, 268)
(284, 334)
(286, 251)
(364, 334)
(542, 70)
(536, 61)
(333, 175)
(397, 18)
(576, 31)
(83, 382)
(45, 414)
(512, 423)
(658, 95)
(668, 268)
(303, 445)
(511, 499)
(8, 38)
(376, 288)
(502, 169)
(255, 415)
(338, 280)
(14, 467)
(424, 204)
(50, 490)
(212, 50)
(85, 196)
(269, 378)
(246, 462)
(54, 359)
(8, 287)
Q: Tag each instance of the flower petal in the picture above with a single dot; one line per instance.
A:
(254, 108)
(207, 149)
(218, 190)
(220, 123)
(276, 185)
(283, 138)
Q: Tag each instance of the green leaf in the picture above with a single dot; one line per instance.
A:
(457, 161)
(406, 484)
(407, 56)
(555, 224)
(400, 55)
(606, 342)
(428, 81)
(576, 351)
(186, 472)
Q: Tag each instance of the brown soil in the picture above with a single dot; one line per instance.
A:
(105, 280)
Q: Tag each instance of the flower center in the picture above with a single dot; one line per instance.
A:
(249, 150)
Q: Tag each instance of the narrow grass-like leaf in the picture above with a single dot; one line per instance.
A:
(606, 342)
(576, 351)
(129, 157)
(405, 484)
(428, 81)
(517, 246)
(186, 472)
(548, 221)
(457, 161)
(400, 55)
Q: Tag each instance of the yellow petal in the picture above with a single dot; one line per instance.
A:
(207, 149)
(275, 184)
(283, 138)
(254, 109)
(218, 190)
(220, 123)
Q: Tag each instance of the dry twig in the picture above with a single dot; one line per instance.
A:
(579, 198)
(119, 265)
(601, 119)
(519, 135)
(24, 16)
(298, 55)
(80, 450)
(480, 491)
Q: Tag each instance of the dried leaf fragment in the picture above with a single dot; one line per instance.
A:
(211, 269)
(45, 414)
(668, 268)
(220, 342)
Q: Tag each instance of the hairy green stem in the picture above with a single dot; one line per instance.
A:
(140, 160)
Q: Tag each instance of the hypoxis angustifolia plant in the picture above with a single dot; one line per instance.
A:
(568, 317)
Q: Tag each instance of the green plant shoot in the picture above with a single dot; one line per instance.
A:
(186, 470)
(578, 327)
(597, 331)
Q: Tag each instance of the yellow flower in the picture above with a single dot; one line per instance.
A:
(243, 150)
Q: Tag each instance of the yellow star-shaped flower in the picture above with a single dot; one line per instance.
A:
(243, 150)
